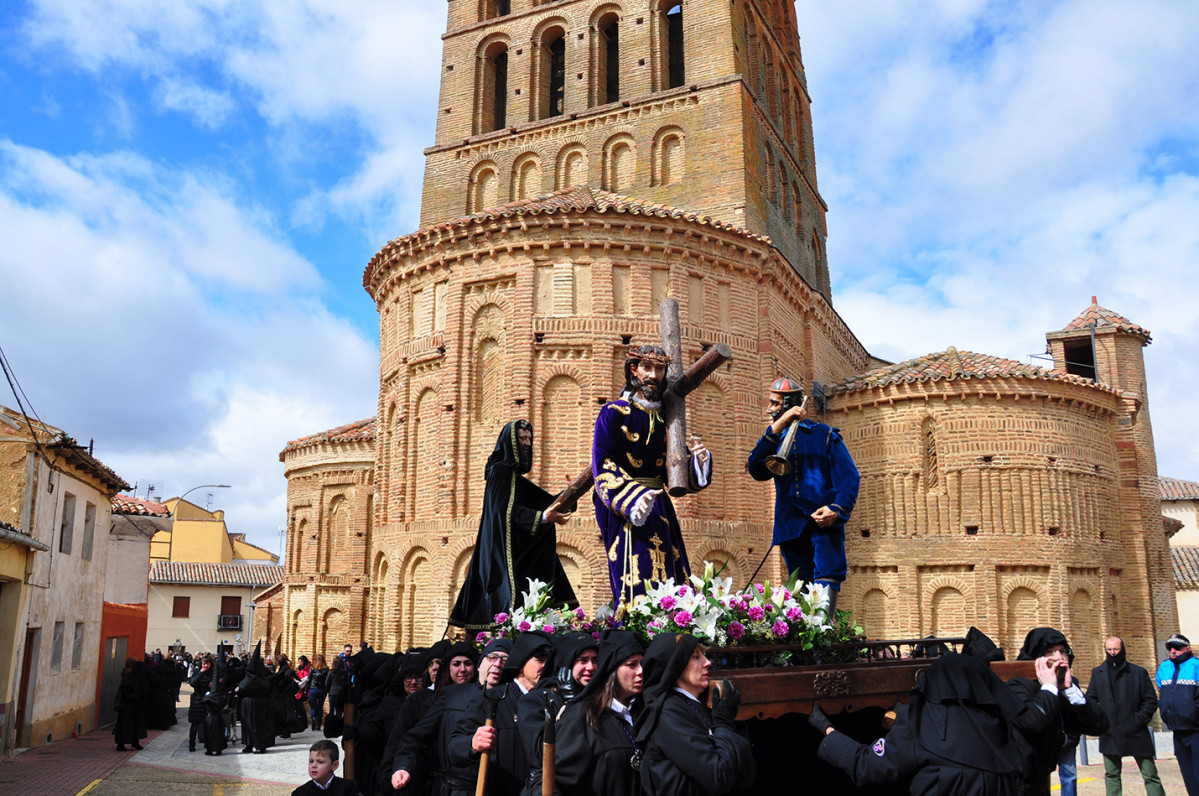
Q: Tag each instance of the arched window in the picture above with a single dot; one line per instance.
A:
(667, 156)
(484, 189)
(606, 59)
(526, 177)
(620, 163)
(492, 99)
(771, 176)
(669, 21)
(549, 74)
(572, 167)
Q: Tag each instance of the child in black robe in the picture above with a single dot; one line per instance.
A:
(322, 767)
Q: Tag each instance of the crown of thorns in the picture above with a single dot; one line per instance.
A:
(649, 357)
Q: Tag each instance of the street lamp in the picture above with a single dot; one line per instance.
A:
(178, 500)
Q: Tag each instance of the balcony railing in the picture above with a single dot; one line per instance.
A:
(229, 622)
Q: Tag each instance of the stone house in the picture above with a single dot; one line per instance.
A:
(58, 494)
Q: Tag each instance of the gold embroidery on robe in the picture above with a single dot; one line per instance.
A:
(637, 463)
(624, 410)
(631, 436)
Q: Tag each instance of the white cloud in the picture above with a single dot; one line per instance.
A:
(989, 167)
(166, 319)
(304, 62)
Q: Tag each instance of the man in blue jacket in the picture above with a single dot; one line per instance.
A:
(813, 500)
(1178, 682)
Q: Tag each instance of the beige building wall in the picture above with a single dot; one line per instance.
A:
(198, 631)
(66, 602)
(1186, 512)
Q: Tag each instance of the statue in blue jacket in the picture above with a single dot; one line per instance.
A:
(816, 486)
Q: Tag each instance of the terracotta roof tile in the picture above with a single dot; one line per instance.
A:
(1175, 489)
(1104, 318)
(576, 199)
(1186, 566)
(124, 504)
(215, 574)
(953, 364)
(360, 430)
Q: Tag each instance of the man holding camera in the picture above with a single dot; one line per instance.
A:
(816, 486)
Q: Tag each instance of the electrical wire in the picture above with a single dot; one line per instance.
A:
(17, 392)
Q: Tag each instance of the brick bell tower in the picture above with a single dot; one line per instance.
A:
(592, 158)
(700, 105)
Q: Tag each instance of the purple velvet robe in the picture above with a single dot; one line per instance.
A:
(628, 459)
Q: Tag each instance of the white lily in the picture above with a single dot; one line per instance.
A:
(533, 595)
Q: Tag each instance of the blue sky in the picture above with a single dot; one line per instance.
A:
(190, 191)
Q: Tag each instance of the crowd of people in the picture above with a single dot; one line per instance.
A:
(618, 716)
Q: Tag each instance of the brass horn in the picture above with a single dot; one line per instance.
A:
(777, 462)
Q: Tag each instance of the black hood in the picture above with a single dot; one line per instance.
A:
(567, 648)
(664, 662)
(256, 667)
(455, 650)
(960, 711)
(526, 646)
(506, 450)
(980, 645)
(1040, 639)
(616, 647)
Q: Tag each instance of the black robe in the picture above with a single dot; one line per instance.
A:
(512, 545)
(256, 711)
(132, 695)
(508, 766)
(424, 749)
(594, 762)
(687, 755)
(215, 738)
(337, 787)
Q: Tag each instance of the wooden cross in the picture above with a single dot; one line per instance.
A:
(674, 406)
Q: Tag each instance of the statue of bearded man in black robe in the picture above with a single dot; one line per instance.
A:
(517, 536)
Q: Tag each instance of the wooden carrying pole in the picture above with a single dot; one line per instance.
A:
(485, 757)
(694, 376)
(548, 741)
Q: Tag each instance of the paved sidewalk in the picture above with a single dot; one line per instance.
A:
(285, 763)
(65, 767)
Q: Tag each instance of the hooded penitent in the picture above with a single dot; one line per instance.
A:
(526, 646)
(567, 649)
(616, 647)
(460, 649)
(513, 545)
(1039, 639)
(958, 712)
(665, 659)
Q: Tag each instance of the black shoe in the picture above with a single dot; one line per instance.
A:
(247, 750)
(191, 747)
(121, 748)
(259, 751)
(138, 746)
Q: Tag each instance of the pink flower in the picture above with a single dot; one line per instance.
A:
(769, 609)
(683, 591)
(482, 638)
(580, 613)
(761, 588)
(780, 628)
(654, 623)
(595, 635)
(668, 603)
(525, 627)
(757, 613)
(795, 614)
(736, 630)
(682, 619)
(547, 629)
(786, 595)
(501, 618)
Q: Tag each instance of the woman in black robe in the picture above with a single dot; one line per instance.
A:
(516, 540)
(132, 695)
(215, 703)
(255, 709)
(289, 712)
(597, 753)
(200, 683)
(688, 750)
(160, 711)
(954, 736)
